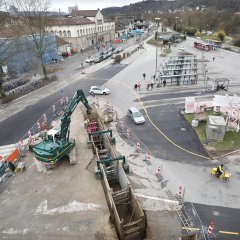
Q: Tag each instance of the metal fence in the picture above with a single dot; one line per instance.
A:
(44, 121)
(190, 211)
(134, 141)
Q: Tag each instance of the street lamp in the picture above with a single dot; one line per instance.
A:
(157, 20)
(176, 22)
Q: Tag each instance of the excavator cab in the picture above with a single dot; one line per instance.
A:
(53, 135)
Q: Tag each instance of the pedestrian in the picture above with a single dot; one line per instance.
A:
(135, 87)
(154, 76)
(151, 86)
(148, 86)
(139, 86)
(164, 83)
(144, 76)
(213, 59)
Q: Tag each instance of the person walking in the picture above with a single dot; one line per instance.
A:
(135, 86)
(213, 59)
(151, 86)
(139, 86)
(144, 76)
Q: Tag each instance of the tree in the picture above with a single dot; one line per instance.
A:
(221, 35)
(34, 22)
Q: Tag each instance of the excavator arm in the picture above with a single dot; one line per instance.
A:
(66, 118)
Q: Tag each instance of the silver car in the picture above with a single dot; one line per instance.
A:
(135, 115)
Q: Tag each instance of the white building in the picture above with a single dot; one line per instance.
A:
(83, 28)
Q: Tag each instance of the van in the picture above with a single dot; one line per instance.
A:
(135, 115)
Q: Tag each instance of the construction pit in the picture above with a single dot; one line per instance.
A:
(93, 199)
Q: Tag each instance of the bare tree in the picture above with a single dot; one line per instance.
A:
(34, 21)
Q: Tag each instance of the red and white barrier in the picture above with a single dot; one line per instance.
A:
(148, 157)
(107, 105)
(29, 136)
(61, 101)
(39, 125)
(116, 114)
(21, 144)
(158, 170)
(54, 108)
(210, 228)
(128, 133)
(97, 101)
(138, 147)
(45, 117)
(180, 193)
(112, 109)
(66, 99)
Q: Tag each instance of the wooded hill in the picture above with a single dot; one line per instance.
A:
(151, 6)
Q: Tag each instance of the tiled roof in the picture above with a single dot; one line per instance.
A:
(84, 13)
(70, 21)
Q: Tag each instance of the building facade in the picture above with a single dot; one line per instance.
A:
(83, 29)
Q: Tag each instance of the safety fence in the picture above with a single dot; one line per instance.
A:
(134, 141)
(22, 146)
(43, 122)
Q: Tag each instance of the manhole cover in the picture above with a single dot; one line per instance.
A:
(183, 129)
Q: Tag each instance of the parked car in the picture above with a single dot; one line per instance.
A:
(110, 53)
(113, 56)
(135, 115)
(89, 59)
(99, 90)
(120, 49)
(182, 48)
(178, 40)
(98, 58)
(111, 48)
(105, 56)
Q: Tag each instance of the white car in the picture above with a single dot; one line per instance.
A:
(89, 60)
(135, 115)
(99, 90)
(182, 48)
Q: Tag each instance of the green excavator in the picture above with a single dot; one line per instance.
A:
(56, 143)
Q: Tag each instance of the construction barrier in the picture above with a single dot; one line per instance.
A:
(180, 194)
(210, 229)
(133, 140)
(14, 156)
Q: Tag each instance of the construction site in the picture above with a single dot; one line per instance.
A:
(64, 180)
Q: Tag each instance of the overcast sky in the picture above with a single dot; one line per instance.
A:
(88, 4)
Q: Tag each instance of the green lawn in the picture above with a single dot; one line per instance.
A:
(231, 140)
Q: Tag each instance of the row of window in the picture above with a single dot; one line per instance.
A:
(81, 32)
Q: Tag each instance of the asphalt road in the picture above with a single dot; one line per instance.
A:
(226, 221)
(17, 125)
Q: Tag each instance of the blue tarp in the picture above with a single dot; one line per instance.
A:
(21, 55)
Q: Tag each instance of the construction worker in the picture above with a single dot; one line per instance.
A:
(220, 171)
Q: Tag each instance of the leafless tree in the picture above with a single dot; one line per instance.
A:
(34, 21)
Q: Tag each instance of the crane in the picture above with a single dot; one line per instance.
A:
(56, 143)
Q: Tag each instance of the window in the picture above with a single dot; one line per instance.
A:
(60, 33)
(78, 33)
(64, 33)
(81, 31)
(69, 33)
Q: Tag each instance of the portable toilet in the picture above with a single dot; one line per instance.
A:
(216, 127)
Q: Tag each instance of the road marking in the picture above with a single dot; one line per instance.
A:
(157, 198)
(192, 229)
(166, 137)
(230, 233)
(223, 232)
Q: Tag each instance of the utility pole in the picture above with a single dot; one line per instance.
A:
(156, 36)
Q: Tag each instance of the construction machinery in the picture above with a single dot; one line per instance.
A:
(56, 143)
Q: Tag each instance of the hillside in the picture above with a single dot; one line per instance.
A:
(163, 6)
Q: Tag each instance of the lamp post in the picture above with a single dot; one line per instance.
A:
(176, 22)
(157, 20)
